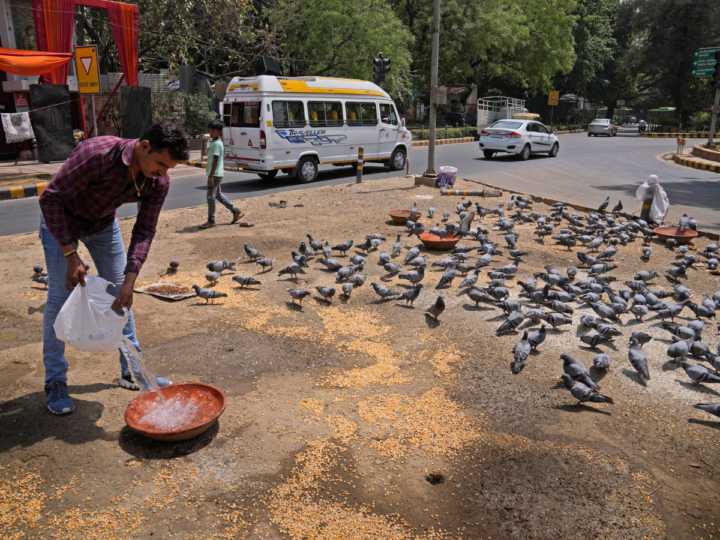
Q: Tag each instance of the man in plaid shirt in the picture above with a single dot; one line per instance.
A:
(79, 205)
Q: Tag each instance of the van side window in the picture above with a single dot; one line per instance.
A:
(387, 114)
(325, 113)
(361, 114)
(245, 114)
(287, 114)
(227, 107)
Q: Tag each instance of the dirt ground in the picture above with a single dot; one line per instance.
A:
(360, 419)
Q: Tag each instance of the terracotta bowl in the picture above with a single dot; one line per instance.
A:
(401, 216)
(432, 241)
(212, 401)
(684, 237)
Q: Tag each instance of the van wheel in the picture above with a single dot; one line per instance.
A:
(307, 170)
(397, 160)
(525, 154)
(488, 154)
(268, 175)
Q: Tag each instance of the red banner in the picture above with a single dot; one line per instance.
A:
(124, 21)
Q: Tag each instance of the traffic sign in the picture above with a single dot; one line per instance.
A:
(86, 67)
(707, 52)
(703, 72)
(553, 98)
(704, 62)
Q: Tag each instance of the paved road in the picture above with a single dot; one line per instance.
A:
(586, 170)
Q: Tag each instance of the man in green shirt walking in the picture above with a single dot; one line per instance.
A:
(215, 170)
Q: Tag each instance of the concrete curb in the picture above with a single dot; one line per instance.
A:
(675, 135)
(458, 140)
(689, 162)
(20, 192)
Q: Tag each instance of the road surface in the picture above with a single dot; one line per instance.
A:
(587, 170)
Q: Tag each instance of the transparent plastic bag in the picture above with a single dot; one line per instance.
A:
(651, 189)
(87, 320)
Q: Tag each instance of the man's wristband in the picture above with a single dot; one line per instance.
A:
(71, 252)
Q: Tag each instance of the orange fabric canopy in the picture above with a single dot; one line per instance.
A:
(31, 62)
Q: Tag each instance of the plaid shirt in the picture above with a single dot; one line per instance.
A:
(83, 196)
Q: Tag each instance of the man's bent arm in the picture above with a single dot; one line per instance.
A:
(144, 230)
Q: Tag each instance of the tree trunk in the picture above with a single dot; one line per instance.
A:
(611, 105)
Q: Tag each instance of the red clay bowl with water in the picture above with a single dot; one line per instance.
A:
(211, 401)
(684, 237)
(401, 216)
(434, 242)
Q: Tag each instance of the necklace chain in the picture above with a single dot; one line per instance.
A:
(138, 189)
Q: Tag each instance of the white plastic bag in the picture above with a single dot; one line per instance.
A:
(87, 320)
(660, 203)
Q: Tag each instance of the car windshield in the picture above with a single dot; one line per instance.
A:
(601, 121)
(507, 125)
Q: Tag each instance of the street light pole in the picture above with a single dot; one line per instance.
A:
(433, 86)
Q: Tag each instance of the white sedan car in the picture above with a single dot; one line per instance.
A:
(521, 137)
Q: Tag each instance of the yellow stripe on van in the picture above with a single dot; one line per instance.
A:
(254, 86)
(301, 87)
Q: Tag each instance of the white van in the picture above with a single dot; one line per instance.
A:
(296, 124)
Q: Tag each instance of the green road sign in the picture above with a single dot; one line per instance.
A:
(703, 72)
(708, 52)
(704, 62)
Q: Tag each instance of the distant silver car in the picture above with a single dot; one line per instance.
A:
(602, 126)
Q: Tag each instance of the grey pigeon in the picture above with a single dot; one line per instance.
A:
(357, 279)
(639, 311)
(431, 211)
(347, 289)
(391, 268)
(212, 277)
(577, 371)
(595, 338)
(558, 319)
(331, 264)
(208, 294)
(447, 278)
(641, 337)
(699, 374)
(521, 353)
(383, 292)
(411, 294)
(604, 205)
(298, 294)
(416, 276)
(327, 250)
(359, 259)
(470, 280)
(711, 408)
(583, 393)
(174, 263)
(219, 266)
(437, 308)
(603, 311)
(252, 253)
(316, 246)
(514, 320)
(645, 275)
(342, 248)
(683, 223)
(383, 259)
(266, 262)
(305, 250)
(245, 281)
(414, 252)
(345, 273)
(397, 247)
(646, 252)
(537, 337)
(294, 269)
(418, 261)
(601, 361)
(43, 280)
(446, 215)
(638, 358)
(477, 296)
(326, 292)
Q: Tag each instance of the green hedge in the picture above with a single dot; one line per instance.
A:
(441, 133)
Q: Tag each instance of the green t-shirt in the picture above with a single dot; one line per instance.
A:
(217, 151)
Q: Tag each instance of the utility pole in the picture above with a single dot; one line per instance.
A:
(433, 87)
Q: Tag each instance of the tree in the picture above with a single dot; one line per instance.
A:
(337, 38)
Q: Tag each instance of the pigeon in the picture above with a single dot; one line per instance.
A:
(391, 268)
(711, 408)
(603, 311)
(641, 337)
(411, 294)
(212, 277)
(345, 273)
(514, 320)
(521, 353)
(557, 319)
(418, 261)
(294, 269)
(342, 248)
(174, 263)
(431, 212)
(699, 374)
(607, 329)
(327, 250)
(437, 308)
(679, 350)
(676, 272)
(617, 208)
(446, 215)
(266, 262)
(331, 264)
(383, 259)
(646, 275)
(397, 247)
(357, 279)
(683, 223)
(43, 280)
(646, 252)
(347, 289)
(219, 266)
(252, 253)
(604, 205)
(470, 280)
(326, 292)
(536, 338)
(305, 250)
(414, 252)
(577, 371)
(601, 361)
(208, 294)
(360, 260)
(477, 296)
(316, 246)
(416, 276)
(595, 338)
(383, 292)
(583, 393)
(447, 278)
(639, 311)
(638, 358)
(701, 311)
(298, 294)
(245, 281)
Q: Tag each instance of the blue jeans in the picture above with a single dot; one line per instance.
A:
(108, 253)
(216, 193)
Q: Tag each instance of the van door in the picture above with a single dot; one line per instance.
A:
(289, 138)
(245, 133)
(328, 132)
(388, 135)
(362, 128)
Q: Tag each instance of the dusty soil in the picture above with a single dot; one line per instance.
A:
(21, 180)
(360, 419)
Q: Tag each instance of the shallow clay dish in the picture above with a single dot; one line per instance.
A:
(432, 241)
(684, 237)
(401, 216)
(211, 411)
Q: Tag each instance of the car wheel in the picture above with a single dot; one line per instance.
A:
(307, 170)
(614, 134)
(589, 134)
(554, 151)
(488, 154)
(525, 153)
(397, 160)
(268, 175)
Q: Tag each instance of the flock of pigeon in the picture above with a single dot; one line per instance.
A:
(548, 294)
